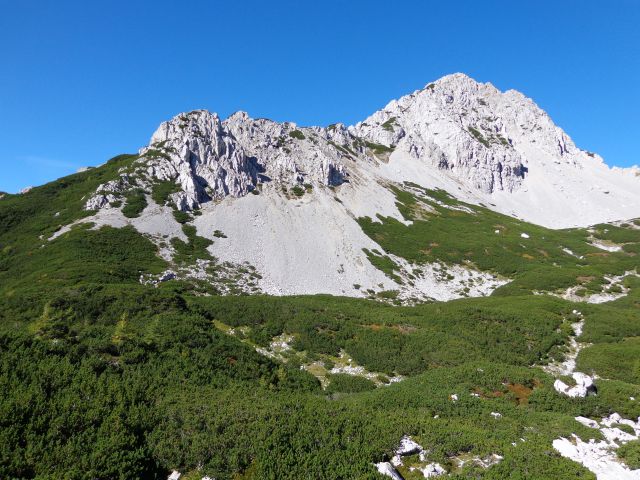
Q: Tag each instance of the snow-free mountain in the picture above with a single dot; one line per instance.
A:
(286, 199)
(158, 316)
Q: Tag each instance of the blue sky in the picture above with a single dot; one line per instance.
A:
(82, 81)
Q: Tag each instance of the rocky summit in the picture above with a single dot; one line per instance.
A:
(477, 143)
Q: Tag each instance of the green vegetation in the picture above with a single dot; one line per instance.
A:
(182, 217)
(378, 149)
(297, 134)
(103, 377)
(383, 263)
(162, 191)
(194, 248)
(478, 136)
(342, 383)
(155, 153)
(629, 453)
(620, 360)
(136, 203)
(297, 190)
(388, 125)
(162, 388)
(446, 230)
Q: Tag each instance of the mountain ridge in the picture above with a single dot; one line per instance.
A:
(468, 138)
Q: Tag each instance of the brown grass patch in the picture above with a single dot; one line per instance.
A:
(400, 328)
(585, 279)
(521, 392)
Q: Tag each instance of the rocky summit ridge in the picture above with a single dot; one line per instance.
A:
(466, 137)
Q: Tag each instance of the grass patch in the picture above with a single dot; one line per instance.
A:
(106, 378)
(297, 134)
(182, 217)
(464, 234)
(378, 148)
(388, 125)
(136, 202)
(163, 190)
(629, 453)
(479, 137)
(297, 190)
(343, 383)
(619, 361)
(194, 248)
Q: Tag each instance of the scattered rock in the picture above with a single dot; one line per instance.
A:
(599, 456)
(408, 447)
(584, 386)
(433, 470)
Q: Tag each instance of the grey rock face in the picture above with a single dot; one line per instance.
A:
(471, 132)
(202, 157)
(456, 124)
(210, 159)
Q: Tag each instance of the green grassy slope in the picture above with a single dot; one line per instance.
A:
(105, 378)
(449, 231)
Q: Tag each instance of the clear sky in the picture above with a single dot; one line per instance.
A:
(82, 81)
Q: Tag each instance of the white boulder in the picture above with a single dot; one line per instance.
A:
(385, 468)
(584, 386)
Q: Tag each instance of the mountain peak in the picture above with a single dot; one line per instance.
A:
(469, 138)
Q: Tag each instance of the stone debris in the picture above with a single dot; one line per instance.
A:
(612, 289)
(385, 468)
(584, 384)
(433, 470)
(599, 456)
(408, 448)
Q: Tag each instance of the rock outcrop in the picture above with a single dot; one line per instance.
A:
(471, 130)
(210, 159)
(584, 386)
